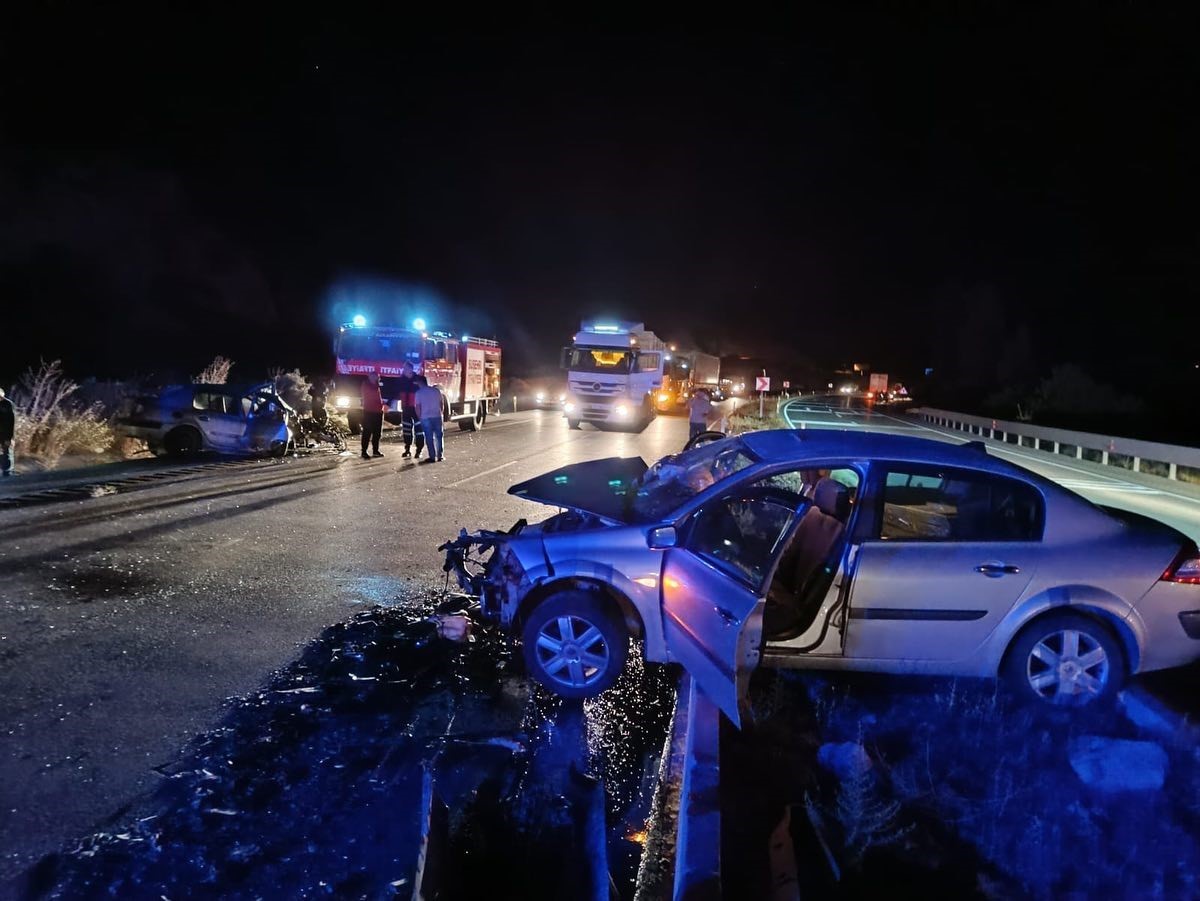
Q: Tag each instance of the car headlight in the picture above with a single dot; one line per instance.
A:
(343, 401)
(540, 396)
(561, 398)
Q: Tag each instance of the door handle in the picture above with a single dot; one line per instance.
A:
(726, 617)
(995, 570)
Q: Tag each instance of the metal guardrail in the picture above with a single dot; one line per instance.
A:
(1169, 461)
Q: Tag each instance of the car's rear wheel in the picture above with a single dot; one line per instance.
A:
(1066, 660)
(183, 441)
(574, 644)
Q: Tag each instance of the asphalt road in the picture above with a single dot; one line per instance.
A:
(129, 617)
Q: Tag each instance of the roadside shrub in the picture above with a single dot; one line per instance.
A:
(50, 423)
(293, 387)
(215, 373)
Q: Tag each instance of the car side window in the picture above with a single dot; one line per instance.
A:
(953, 505)
(740, 532)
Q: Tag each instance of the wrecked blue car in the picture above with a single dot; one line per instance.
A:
(184, 420)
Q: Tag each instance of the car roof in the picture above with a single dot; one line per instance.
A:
(799, 445)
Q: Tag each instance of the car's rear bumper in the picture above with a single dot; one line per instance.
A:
(1166, 641)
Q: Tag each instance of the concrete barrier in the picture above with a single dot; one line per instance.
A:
(1168, 461)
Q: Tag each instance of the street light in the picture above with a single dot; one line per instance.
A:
(359, 320)
(419, 324)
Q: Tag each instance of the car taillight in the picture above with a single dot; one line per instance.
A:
(1185, 567)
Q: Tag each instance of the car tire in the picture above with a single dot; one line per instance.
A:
(183, 441)
(1065, 660)
(592, 657)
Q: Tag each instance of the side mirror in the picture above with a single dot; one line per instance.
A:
(565, 361)
(661, 538)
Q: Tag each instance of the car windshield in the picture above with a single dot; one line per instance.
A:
(674, 480)
(599, 359)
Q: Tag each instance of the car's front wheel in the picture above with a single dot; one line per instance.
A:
(1067, 660)
(574, 645)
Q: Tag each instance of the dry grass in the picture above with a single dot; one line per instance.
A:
(50, 424)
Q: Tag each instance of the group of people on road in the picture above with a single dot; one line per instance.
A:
(421, 416)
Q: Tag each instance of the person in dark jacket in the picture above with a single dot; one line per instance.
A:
(410, 423)
(372, 407)
(8, 428)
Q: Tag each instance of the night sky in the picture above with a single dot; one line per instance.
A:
(907, 190)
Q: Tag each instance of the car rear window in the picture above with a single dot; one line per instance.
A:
(951, 505)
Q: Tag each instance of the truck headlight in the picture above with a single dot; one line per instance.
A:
(621, 410)
(343, 401)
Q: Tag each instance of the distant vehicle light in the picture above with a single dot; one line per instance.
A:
(663, 398)
(419, 324)
(359, 321)
(562, 397)
(683, 365)
(466, 338)
(540, 396)
(342, 401)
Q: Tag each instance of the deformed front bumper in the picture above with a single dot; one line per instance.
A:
(486, 569)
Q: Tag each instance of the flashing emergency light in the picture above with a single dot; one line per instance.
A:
(359, 320)
(419, 324)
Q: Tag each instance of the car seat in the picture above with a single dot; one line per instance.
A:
(808, 563)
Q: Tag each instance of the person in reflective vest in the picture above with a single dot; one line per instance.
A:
(410, 422)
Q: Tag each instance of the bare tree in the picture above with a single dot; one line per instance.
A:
(215, 373)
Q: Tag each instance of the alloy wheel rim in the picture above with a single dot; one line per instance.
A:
(1068, 667)
(572, 651)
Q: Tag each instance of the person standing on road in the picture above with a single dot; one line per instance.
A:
(8, 429)
(429, 409)
(410, 422)
(373, 407)
(699, 409)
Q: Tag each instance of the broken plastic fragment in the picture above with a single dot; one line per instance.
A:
(453, 627)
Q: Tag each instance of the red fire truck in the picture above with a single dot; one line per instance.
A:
(466, 368)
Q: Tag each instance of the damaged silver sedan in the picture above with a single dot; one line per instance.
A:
(833, 550)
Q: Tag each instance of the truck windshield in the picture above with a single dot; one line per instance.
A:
(357, 345)
(598, 359)
(673, 481)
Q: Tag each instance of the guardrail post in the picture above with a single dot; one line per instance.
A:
(1172, 471)
(1104, 457)
(1056, 447)
(1079, 452)
(1137, 464)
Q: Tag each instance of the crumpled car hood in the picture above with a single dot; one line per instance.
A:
(600, 487)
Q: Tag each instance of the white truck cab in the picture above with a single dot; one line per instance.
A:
(613, 369)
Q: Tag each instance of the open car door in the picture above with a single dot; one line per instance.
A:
(713, 626)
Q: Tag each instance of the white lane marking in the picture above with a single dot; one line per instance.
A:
(486, 472)
(1088, 485)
